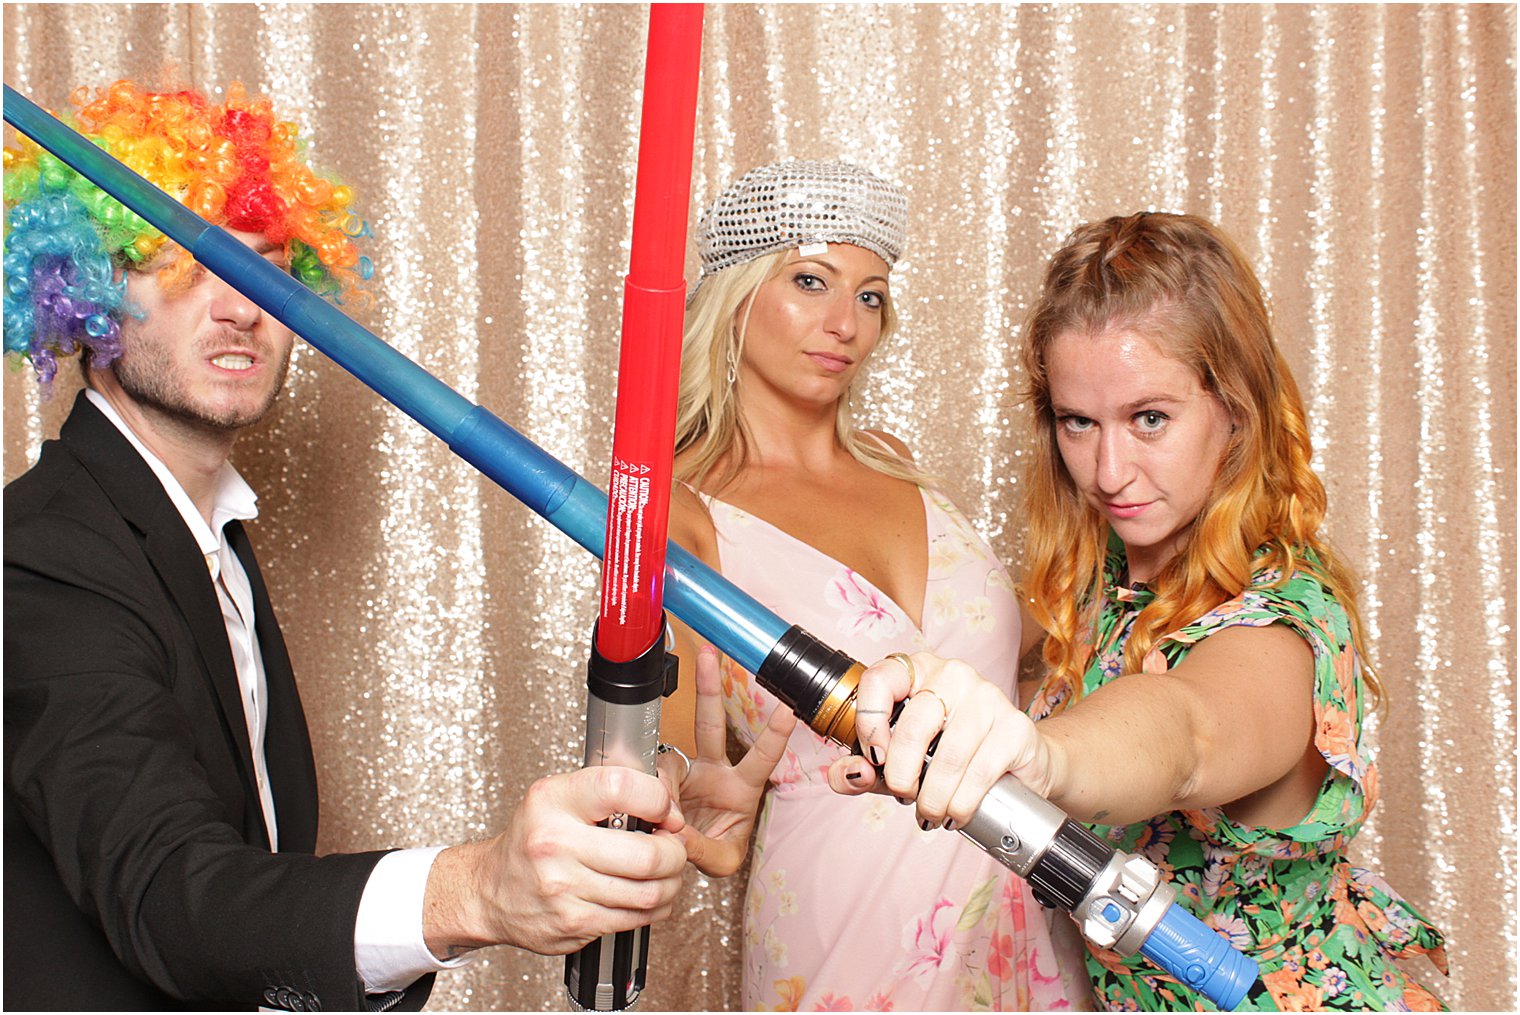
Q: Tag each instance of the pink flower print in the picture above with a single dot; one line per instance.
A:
(1155, 839)
(833, 1002)
(1217, 865)
(1401, 926)
(862, 609)
(879, 1002)
(999, 956)
(925, 943)
(1232, 927)
(789, 773)
(1251, 870)
(1225, 611)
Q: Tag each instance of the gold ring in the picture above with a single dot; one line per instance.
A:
(937, 698)
(907, 661)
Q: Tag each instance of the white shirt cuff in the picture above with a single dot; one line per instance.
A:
(389, 950)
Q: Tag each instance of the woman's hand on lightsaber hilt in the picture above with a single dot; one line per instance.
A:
(982, 736)
(718, 800)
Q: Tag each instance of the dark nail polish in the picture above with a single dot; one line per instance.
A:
(875, 755)
(853, 776)
(925, 824)
(949, 824)
(904, 801)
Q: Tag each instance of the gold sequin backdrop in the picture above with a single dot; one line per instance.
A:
(1363, 156)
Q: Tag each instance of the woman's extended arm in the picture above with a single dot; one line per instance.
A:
(1232, 724)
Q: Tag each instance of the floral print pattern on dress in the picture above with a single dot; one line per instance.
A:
(931, 923)
(1324, 933)
(862, 610)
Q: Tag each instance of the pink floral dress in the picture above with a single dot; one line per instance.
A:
(851, 905)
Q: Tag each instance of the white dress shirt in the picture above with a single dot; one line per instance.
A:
(389, 949)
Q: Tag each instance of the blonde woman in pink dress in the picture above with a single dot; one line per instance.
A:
(851, 905)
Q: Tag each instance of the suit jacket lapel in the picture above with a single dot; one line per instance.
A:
(131, 485)
(287, 745)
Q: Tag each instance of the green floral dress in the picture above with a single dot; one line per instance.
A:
(1325, 933)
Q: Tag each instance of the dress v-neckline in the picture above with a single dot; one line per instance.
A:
(923, 497)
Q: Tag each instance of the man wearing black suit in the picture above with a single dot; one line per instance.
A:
(160, 795)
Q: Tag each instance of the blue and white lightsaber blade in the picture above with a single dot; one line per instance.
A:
(1119, 900)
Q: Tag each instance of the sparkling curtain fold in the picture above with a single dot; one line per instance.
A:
(1363, 155)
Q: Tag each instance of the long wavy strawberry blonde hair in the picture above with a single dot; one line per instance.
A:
(1181, 282)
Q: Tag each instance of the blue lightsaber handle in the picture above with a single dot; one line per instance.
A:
(1184, 946)
(814, 680)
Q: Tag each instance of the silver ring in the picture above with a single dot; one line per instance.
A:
(665, 748)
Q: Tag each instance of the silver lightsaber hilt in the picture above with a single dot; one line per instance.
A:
(622, 728)
(1117, 898)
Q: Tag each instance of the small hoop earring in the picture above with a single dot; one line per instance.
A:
(733, 358)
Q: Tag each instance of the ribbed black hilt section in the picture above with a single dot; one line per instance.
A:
(630, 962)
(1065, 874)
(802, 671)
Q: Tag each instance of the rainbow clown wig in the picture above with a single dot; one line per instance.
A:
(67, 243)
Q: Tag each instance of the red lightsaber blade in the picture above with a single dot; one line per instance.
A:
(654, 305)
(629, 670)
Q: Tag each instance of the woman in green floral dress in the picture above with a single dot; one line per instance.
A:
(1208, 678)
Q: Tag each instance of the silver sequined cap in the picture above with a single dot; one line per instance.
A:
(787, 204)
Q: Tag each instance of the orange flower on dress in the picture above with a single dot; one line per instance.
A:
(1226, 610)
(736, 690)
(790, 992)
(1307, 998)
(1335, 735)
(1283, 984)
(1420, 999)
(1373, 916)
(1346, 913)
(1110, 961)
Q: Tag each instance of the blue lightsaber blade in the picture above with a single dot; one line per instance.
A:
(698, 595)
(1119, 900)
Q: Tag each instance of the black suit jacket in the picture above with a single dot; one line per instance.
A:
(137, 867)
